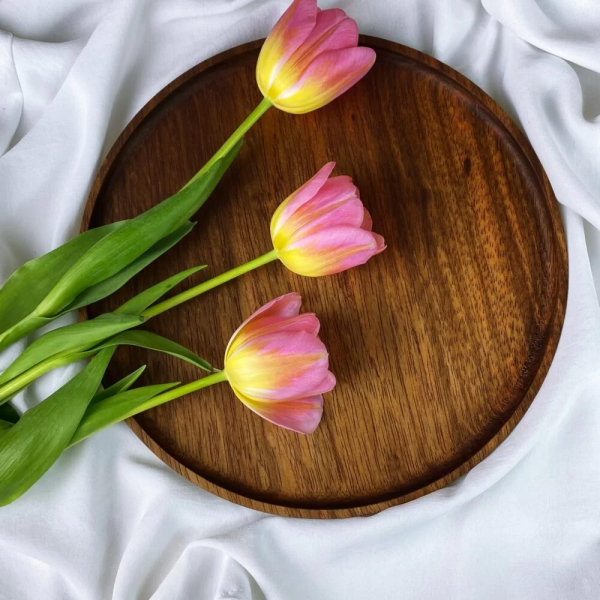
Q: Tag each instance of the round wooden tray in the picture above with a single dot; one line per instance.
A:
(439, 344)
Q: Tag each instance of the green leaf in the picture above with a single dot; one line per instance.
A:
(42, 289)
(121, 247)
(116, 408)
(153, 341)
(121, 386)
(33, 444)
(4, 427)
(71, 338)
(112, 284)
(23, 328)
(143, 300)
(11, 388)
(8, 413)
(30, 284)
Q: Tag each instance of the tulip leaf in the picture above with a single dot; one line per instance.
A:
(67, 339)
(22, 328)
(8, 413)
(112, 284)
(143, 300)
(125, 244)
(42, 289)
(28, 286)
(84, 335)
(153, 341)
(4, 427)
(31, 446)
(107, 416)
(121, 386)
(116, 408)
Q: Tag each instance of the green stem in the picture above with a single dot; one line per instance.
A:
(237, 135)
(24, 379)
(183, 390)
(161, 307)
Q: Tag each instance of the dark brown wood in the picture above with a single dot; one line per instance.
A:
(439, 344)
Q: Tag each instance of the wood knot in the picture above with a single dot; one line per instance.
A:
(467, 166)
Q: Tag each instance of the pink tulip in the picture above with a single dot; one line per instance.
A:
(278, 367)
(323, 227)
(311, 57)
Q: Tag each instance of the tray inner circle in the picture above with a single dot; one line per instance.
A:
(435, 343)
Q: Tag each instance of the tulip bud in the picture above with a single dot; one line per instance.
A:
(278, 367)
(323, 227)
(310, 58)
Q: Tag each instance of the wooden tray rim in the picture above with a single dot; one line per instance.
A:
(520, 141)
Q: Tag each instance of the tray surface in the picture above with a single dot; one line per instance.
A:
(439, 344)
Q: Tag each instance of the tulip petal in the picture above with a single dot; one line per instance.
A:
(280, 366)
(381, 246)
(326, 78)
(287, 35)
(367, 223)
(349, 213)
(333, 31)
(331, 250)
(282, 307)
(335, 204)
(306, 322)
(300, 196)
(334, 191)
(301, 416)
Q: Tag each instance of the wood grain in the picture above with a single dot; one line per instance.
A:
(439, 344)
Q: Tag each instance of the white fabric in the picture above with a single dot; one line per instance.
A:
(110, 520)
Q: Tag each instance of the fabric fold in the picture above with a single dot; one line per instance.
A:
(110, 521)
